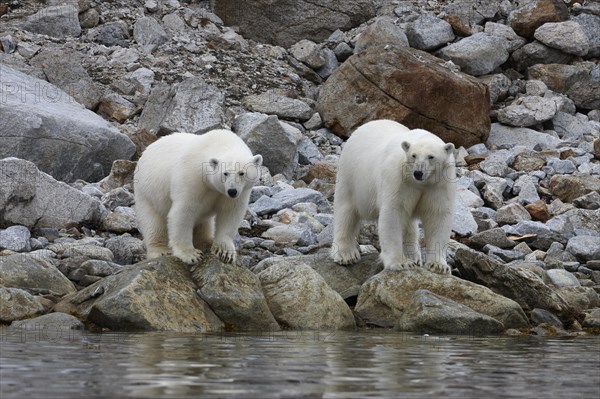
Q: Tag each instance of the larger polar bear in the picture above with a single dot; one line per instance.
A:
(394, 175)
(193, 190)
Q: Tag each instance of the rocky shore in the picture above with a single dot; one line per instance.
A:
(86, 85)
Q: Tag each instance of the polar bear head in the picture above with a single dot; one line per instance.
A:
(232, 178)
(428, 160)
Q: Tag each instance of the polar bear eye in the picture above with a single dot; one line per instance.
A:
(414, 156)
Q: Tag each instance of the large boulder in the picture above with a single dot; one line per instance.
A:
(285, 22)
(34, 199)
(301, 299)
(35, 273)
(57, 21)
(42, 123)
(385, 297)
(17, 304)
(408, 86)
(158, 294)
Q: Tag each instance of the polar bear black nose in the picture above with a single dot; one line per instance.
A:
(418, 175)
(232, 192)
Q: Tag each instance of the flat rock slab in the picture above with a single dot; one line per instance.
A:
(155, 295)
(385, 297)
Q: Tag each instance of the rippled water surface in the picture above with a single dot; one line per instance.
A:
(366, 364)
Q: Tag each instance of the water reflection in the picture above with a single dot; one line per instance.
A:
(371, 364)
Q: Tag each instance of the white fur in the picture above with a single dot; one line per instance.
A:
(376, 181)
(181, 192)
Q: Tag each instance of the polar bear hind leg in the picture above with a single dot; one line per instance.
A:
(346, 225)
(153, 227)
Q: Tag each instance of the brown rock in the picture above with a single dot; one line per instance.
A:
(525, 20)
(121, 174)
(597, 148)
(408, 86)
(142, 139)
(538, 211)
(459, 27)
(569, 187)
(3, 9)
(474, 159)
(557, 77)
(325, 171)
(284, 22)
(528, 162)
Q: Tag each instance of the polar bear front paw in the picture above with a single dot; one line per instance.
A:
(225, 252)
(189, 257)
(438, 267)
(404, 265)
(346, 256)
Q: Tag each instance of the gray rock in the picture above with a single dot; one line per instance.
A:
(235, 295)
(511, 214)
(299, 298)
(192, 106)
(385, 296)
(429, 32)
(17, 304)
(262, 20)
(34, 199)
(562, 278)
(289, 198)
(174, 23)
(498, 85)
(497, 164)
(463, 223)
(476, 12)
(15, 238)
(590, 24)
(567, 36)
(503, 255)
(121, 220)
(113, 34)
(584, 247)
(517, 283)
(496, 237)
(38, 126)
(493, 191)
(537, 53)
(63, 68)
(153, 295)
(588, 201)
(275, 141)
(291, 235)
(275, 104)
(126, 249)
(343, 51)
(526, 190)
(541, 316)
(501, 135)
(528, 111)
(55, 324)
(542, 235)
(478, 54)
(34, 273)
(308, 152)
(308, 52)
(380, 33)
(266, 205)
(57, 21)
(100, 268)
(561, 166)
(89, 18)
(512, 41)
(569, 223)
(592, 318)
(117, 198)
(331, 63)
(570, 127)
(431, 313)
(115, 107)
(147, 31)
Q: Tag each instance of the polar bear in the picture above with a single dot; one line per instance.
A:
(395, 176)
(193, 190)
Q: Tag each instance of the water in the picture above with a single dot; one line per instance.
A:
(366, 364)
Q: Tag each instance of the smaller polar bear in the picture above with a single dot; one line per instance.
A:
(395, 175)
(193, 190)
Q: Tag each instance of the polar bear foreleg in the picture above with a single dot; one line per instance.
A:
(153, 227)
(346, 224)
(393, 226)
(226, 227)
(181, 222)
(438, 227)
(411, 240)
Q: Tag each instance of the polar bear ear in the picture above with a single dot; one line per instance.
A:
(214, 163)
(257, 160)
(405, 146)
(449, 148)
